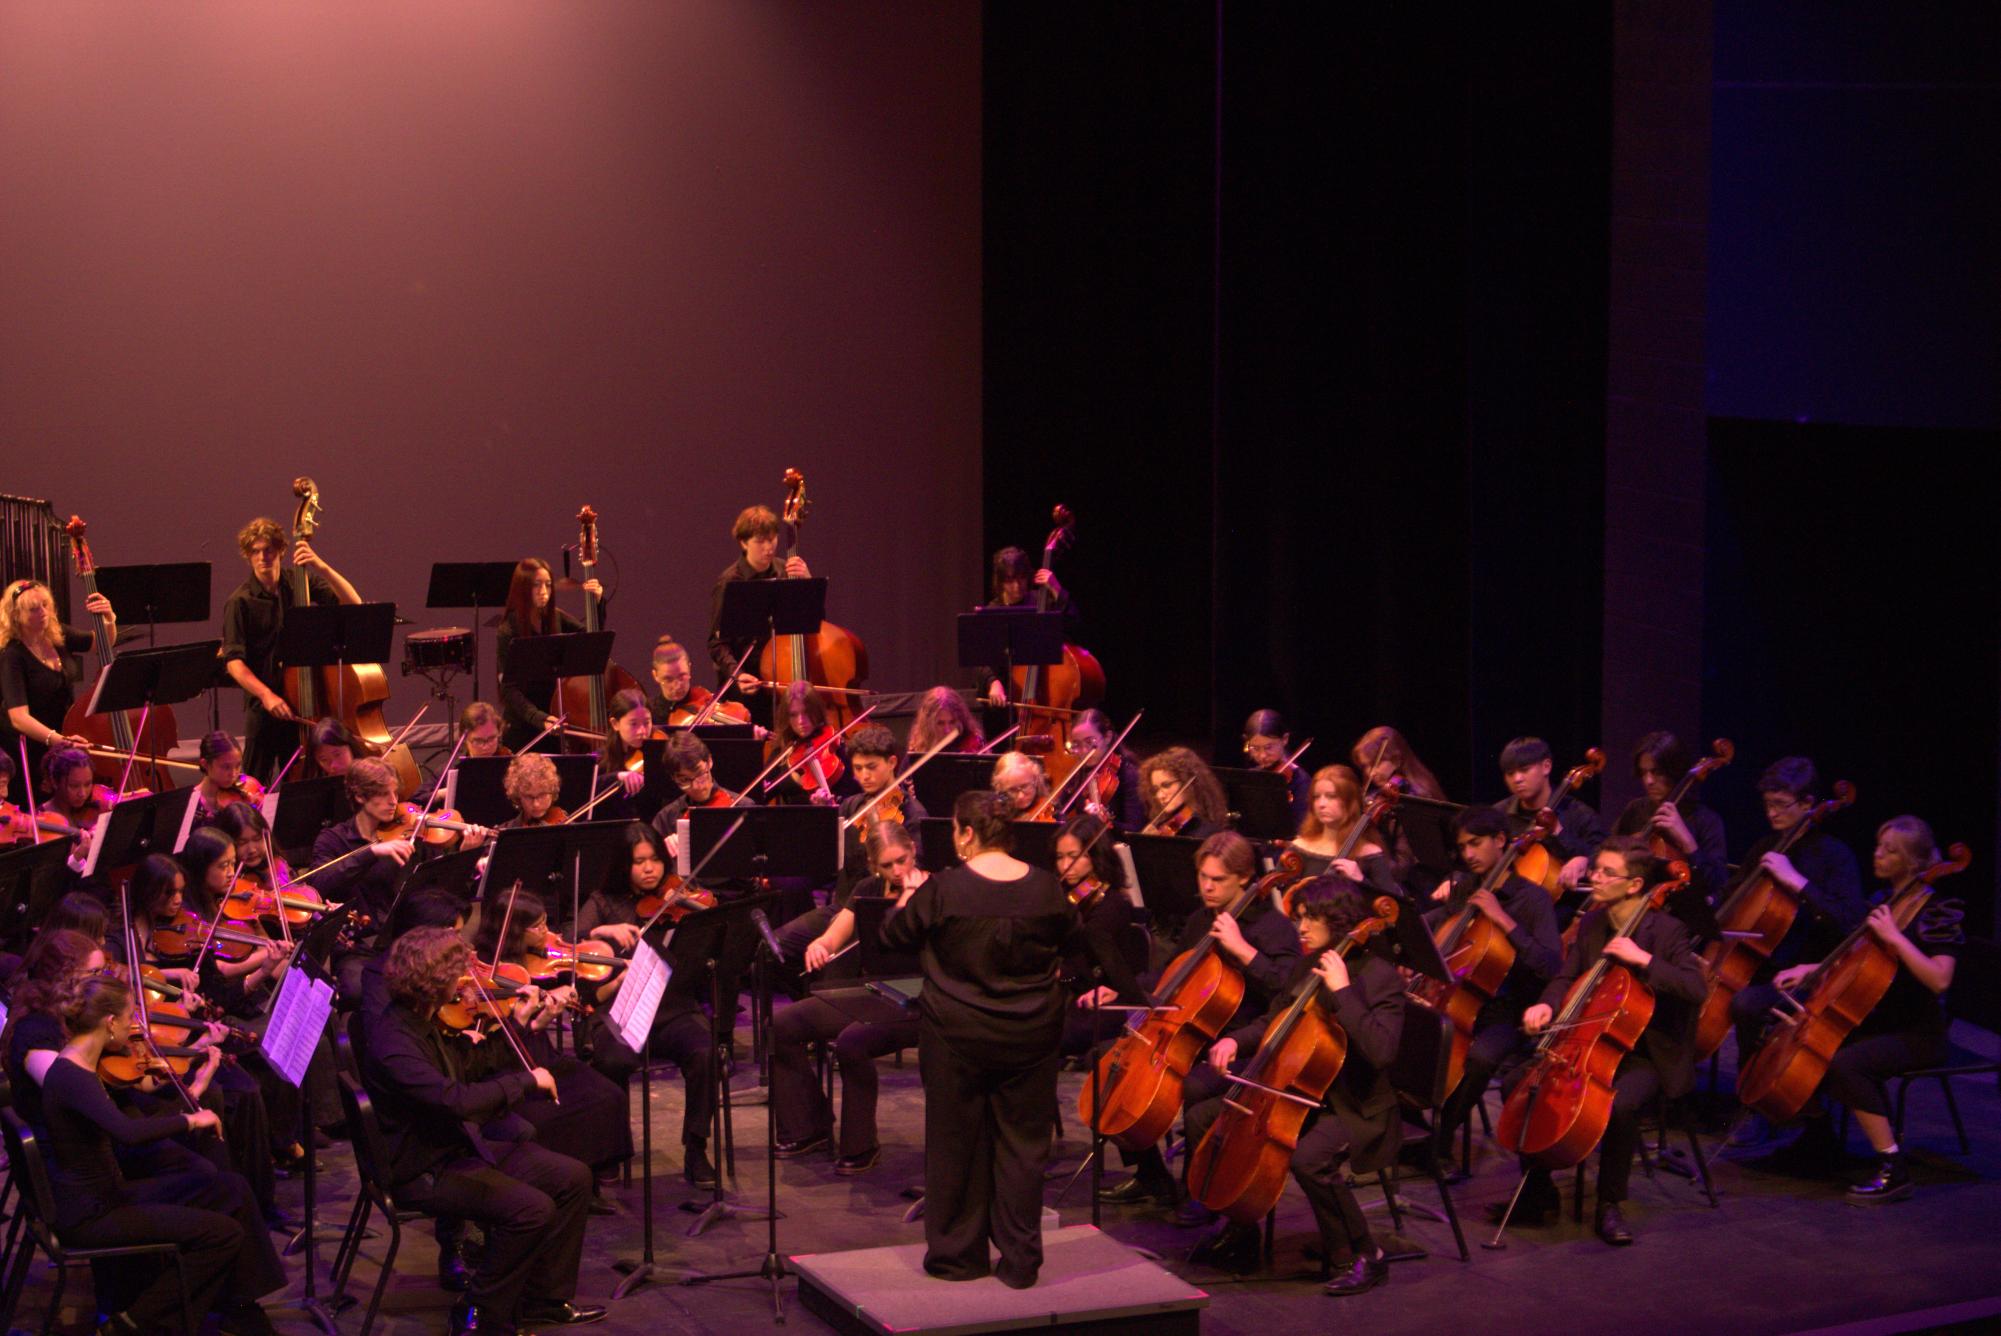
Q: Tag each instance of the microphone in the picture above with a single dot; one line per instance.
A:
(764, 929)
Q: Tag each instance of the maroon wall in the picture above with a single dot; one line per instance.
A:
(471, 266)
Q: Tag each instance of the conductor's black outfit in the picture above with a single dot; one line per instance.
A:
(990, 1021)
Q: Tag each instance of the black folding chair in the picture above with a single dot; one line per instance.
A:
(372, 1193)
(1418, 1074)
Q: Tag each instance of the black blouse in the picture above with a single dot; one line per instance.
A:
(47, 692)
(82, 1125)
(524, 701)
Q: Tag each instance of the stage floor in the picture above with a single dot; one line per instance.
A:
(1780, 1255)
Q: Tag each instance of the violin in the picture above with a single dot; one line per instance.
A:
(814, 764)
(183, 934)
(1140, 1078)
(1559, 1111)
(559, 957)
(888, 807)
(1085, 894)
(584, 697)
(1537, 863)
(1763, 911)
(477, 996)
(244, 790)
(256, 897)
(832, 657)
(17, 827)
(143, 736)
(700, 706)
(157, 989)
(1047, 697)
(1240, 1168)
(675, 899)
(1721, 753)
(358, 690)
(445, 826)
(1838, 996)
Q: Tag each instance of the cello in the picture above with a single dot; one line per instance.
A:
(1838, 996)
(1721, 753)
(122, 731)
(1561, 1108)
(1760, 912)
(1239, 1169)
(584, 697)
(832, 659)
(1140, 1078)
(1477, 954)
(354, 693)
(1047, 697)
(1538, 864)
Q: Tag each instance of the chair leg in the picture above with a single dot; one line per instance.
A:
(17, 1276)
(1897, 1109)
(1577, 1194)
(1701, 1166)
(1383, 1176)
(350, 1247)
(56, 1299)
(1445, 1199)
(1271, 1231)
(1952, 1107)
(388, 1268)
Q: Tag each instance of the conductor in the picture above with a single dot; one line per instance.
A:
(990, 934)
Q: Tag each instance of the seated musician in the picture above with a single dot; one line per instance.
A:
(1021, 782)
(1525, 768)
(225, 1249)
(73, 793)
(693, 769)
(802, 725)
(480, 725)
(531, 784)
(1905, 1031)
(1263, 946)
(872, 760)
(1623, 872)
(1182, 796)
(804, 1117)
(437, 1104)
(756, 533)
(622, 759)
(251, 622)
(1099, 966)
(1823, 873)
(1384, 758)
(369, 865)
(1268, 746)
(1013, 582)
(1335, 809)
(677, 700)
(1357, 1128)
(943, 711)
(1523, 911)
(681, 1032)
(41, 661)
(329, 750)
(222, 782)
(531, 611)
(1691, 827)
(1118, 797)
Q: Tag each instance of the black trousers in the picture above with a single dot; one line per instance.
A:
(986, 1141)
(1859, 1073)
(267, 742)
(591, 1119)
(1751, 1016)
(1635, 1087)
(1494, 1047)
(797, 1100)
(1317, 1163)
(225, 1249)
(683, 1038)
(532, 1206)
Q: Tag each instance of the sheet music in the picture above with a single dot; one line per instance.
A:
(638, 1000)
(298, 1019)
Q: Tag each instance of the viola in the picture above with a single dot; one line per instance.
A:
(558, 957)
(832, 657)
(1240, 1168)
(1140, 1078)
(357, 690)
(1048, 697)
(887, 807)
(478, 995)
(144, 737)
(183, 934)
(1837, 997)
(1085, 893)
(1537, 863)
(1764, 911)
(584, 697)
(444, 826)
(156, 988)
(1559, 1111)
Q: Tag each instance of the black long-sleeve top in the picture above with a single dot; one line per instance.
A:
(1379, 871)
(524, 701)
(687, 986)
(369, 878)
(1266, 973)
(30, 1031)
(1831, 903)
(854, 862)
(1100, 945)
(253, 617)
(1537, 942)
(1708, 863)
(1674, 974)
(1579, 831)
(992, 958)
(724, 653)
(429, 1098)
(47, 692)
(83, 1125)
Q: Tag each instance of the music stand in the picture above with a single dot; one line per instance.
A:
(470, 584)
(1427, 825)
(1414, 944)
(325, 635)
(1034, 843)
(737, 754)
(939, 784)
(155, 824)
(1262, 801)
(475, 786)
(798, 841)
(1003, 639)
(564, 655)
(755, 610)
(301, 808)
(170, 592)
(153, 679)
(549, 860)
(1165, 868)
(32, 878)
(452, 873)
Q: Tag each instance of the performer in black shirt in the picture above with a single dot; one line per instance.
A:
(990, 934)
(369, 876)
(1691, 827)
(1182, 795)
(756, 534)
(1013, 583)
(1267, 746)
(531, 611)
(1334, 807)
(621, 772)
(252, 620)
(1118, 797)
(1102, 967)
(1525, 766)
(41, 661)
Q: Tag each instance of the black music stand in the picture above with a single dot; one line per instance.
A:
(32, 878)
(154, 679)
(1412, 942)
(562, 656)
(305, 808)
(791, 841)
(171, 592)
(550, 861)
(155, 824)
(325, 635)
(475, 786)
(1165, 867)
(939, 784)
(935, 850)
(1262, 801)
(759, 609)
(1003, 639)
(737, 754)
(470, 584)
(453, 873)
(1427, 825)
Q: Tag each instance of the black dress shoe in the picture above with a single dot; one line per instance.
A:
(1234, 1247)
(1611, 1225)
(1891, 1182)
(563, 1315)
(600, 1206)
(245, 1318)
(468, 1320)
(851, 1166)
(1364, 1274)
(1192, 1214)
(1135, 1190)
(454, 1276)
(696, 1167)
(792, 1150)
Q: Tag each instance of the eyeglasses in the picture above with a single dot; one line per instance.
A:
(1604, 874)
(1014, 791)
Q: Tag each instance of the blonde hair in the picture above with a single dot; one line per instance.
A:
(530, 770)
(11, 616)
(1014, 763)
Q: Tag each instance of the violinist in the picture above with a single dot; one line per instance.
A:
(453, 1150)
(531, 611)
(1905, 1031)
(939, 713)
(677, 701)
(693, 769)
(479, 725)
(1118, 798)
(805, 1118)
(225, 1249)
(1012, 582)
(803, 728)
(1268, 746)
(1021, 782)
(1384, 758)
(589, 1119)
(1523, 912)
(872, 759)
(1182, 796)
(531, 784)
(74, 795)
(251, 621)
(1263, 946)
(223, 782)
(1334, 810)
(756, 532)
(1823, 873)
(41, 661)
(1692, 829)
(1525, 767)
(1623, 872)
(329, 750)
(1102, 967)
(681, 1031)
(622, 758)
(246, 828)
(1358, 1128)
(369, 865)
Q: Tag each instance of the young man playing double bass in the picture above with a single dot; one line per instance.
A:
(756, 532)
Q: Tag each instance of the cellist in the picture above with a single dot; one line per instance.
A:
(251, 621)
(756, 532)
(1904, 1032)
(1523, 912)
(1692, 829)
(1823, 873)
(1358, 1127)
(1525, 767)
(1623, 872)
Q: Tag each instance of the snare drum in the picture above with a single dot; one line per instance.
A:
(448, 647)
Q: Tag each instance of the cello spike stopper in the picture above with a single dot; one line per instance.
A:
(1498, 1243)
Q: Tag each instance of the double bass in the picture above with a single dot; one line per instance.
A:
(1561, 1108)
(584, 697)
(132, 734)
(1764, 911)
(1538, 864)
(1048, 696)
(1240, 1168)
(1140, 1078)
(831, 659)
(1838, 996)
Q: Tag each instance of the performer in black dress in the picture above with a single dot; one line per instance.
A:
(41, 661)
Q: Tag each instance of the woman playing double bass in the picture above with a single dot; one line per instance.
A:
(41, 661)
(531, 611)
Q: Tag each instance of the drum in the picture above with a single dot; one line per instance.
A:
(447, 648)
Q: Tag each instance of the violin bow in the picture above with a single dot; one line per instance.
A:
(815, 754)
(988, 748)
(1169, 807)
(513, 1042)
(1369, 784)
(1293, 759)
(708, 712)
(688, 882)
(1092, 777)
(286, 769)
(922, 761)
